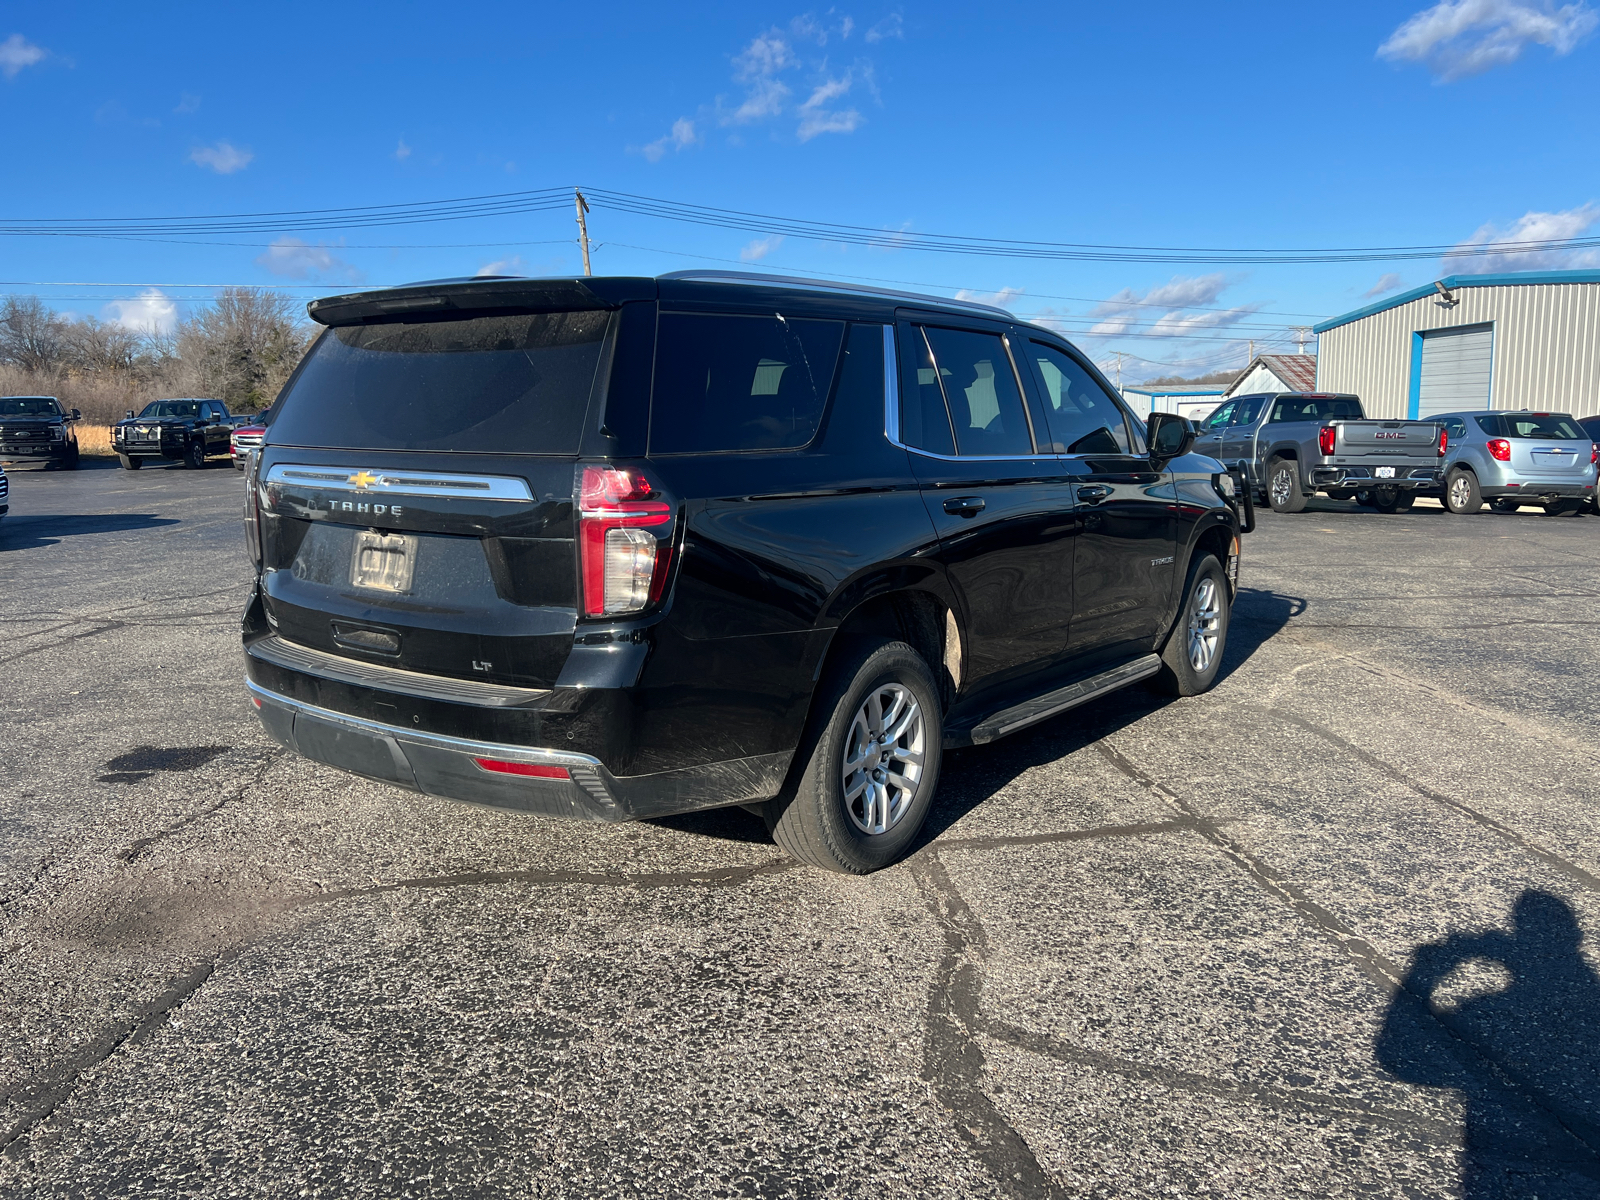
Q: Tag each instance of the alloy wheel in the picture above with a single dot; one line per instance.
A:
(1280, 487)
(1205, 625)
(884, 754)
(1460, 492)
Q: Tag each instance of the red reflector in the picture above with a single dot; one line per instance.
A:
(256, 701)
(537, 770)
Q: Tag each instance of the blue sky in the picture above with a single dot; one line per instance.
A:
(1235, 126)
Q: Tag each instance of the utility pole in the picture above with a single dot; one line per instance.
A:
(1252, 357)
(1118, 353)
(583, 229)
(1302, 335)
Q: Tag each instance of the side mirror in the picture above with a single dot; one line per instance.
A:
(76, 415)
(1168, 435)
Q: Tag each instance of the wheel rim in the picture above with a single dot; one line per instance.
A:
(884, 756)
(1205, 625)
(1280, 487)
(1460, 492)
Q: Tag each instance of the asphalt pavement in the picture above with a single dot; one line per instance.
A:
(1321, 931)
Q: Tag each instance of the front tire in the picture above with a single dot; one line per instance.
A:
(1193, 653)
(1461, 494)
(863, 780)
(1283, 486)
(195, 457)
(129, 463)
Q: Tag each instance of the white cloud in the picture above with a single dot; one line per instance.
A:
(503, 266)
(1130, 312)
(16, 53)
(1385, 285)
(760, 248)
(294, 259)
(402, 151)
(188, 104)
(681, 134)
(1470, 256)
(892, 26)
(150, 312)
(1457, 38)
(224, 158)
(1004, 298)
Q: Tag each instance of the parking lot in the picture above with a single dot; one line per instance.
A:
(1152, 947)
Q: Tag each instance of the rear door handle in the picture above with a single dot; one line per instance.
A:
(964, 506)
(1093, 493)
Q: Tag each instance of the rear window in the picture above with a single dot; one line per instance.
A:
(740, 383)
(1315, 408)
(503, 384)
(1549, 427)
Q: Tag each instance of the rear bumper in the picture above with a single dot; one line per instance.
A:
(1534, 489)
(444, 766)
(1362, 477)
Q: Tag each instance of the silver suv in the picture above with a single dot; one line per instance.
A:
(1517, 458)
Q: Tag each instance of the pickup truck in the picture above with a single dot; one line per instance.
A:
(192, 431)
(1291, 445)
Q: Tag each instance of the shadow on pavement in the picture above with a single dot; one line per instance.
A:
(32, 532)
(1511, 1020)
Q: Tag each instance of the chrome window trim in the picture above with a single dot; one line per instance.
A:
(400, 483)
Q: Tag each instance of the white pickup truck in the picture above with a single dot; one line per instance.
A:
(1291, 445)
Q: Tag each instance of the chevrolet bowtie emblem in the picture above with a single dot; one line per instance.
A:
(364, 479)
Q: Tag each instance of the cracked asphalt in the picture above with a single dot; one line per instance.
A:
(1328, 930)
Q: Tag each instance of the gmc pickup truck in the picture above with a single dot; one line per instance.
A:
(1291, 445)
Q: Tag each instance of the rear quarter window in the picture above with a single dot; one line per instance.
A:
(515, 384)
(725, 382)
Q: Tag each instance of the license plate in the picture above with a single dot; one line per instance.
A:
(1384, 472)
(383, 561)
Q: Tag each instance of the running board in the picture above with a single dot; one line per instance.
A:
(1048, 705)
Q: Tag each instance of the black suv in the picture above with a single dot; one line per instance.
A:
(36, 427)
(615, 548)
(191, 431)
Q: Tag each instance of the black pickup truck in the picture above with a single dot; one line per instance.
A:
(192, 431)
(36, 427)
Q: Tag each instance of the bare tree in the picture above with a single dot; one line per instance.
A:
(102, 347)
(242, 347)
(32, 336)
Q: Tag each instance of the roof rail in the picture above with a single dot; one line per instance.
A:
(828, 285)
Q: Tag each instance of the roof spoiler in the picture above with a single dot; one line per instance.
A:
(469, 295)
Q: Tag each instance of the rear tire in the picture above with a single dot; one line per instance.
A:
(1283, 486)
(1386, 499)
(859, 791)
(1504, 506)
(129, 463)
(1461, 493)
(1363, 497)
(1193, 653)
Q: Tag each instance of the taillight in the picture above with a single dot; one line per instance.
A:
(1444, 440)
(252, 517)
(1500, 449)
(1326, 436)
(623, 561)
(1594, 454)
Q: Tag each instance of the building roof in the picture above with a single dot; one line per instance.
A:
(1299, 371)
(1451, 282)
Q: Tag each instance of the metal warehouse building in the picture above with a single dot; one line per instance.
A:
(1525, 340)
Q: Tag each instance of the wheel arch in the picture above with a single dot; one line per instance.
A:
(926, 620)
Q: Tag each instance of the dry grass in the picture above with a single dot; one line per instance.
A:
(94, 440)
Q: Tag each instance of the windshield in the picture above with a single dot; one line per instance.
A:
(29, 406)
(171, 408)
(514, 384)
(1541, 425)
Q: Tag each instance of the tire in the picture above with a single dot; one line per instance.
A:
(70, 463)
(816, 819)
(1340, 494)
(195, 457)
(1363, 497)
(1406, 500)
(1386, 499)
(1283, 486)
(1461, 493)
(129, 464)
(1504, 506)
(1193, 653)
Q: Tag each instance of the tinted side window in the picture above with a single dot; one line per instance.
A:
(1083, 416)
(740, 383)
(980, 388)
(1217, 419)
(1247, 409)
(1293, 408)
(1490, 424)
(1456, 427)
(924, 423)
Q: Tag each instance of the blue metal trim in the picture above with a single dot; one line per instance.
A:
(1414, 404)
(1147, 392)
(1507, 279)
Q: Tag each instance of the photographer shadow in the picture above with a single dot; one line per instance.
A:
(1511, 1020)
